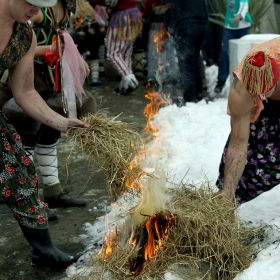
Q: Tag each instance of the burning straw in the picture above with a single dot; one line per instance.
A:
(111, 145)
(204, 240)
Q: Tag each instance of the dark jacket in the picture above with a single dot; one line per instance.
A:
(182, 13)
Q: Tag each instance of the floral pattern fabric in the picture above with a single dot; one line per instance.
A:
(18, 180)
(19, 44)
(262, 170)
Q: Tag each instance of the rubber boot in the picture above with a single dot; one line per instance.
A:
(53, 192)
(44, 252)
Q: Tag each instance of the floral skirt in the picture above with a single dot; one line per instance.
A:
(18, 180)
(262, 170)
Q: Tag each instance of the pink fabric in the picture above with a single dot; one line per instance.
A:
(76, 65)
(100, 14)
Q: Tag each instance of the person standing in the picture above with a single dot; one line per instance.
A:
(18, 179)
(237, 24)
(250, 163)
(124, 27)
(187, 23)
(161, 53)
(55, 49)
(90, 30)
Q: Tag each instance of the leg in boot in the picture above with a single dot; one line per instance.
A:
(101, 57)
(94, 66)
(54, 194)
(44, 252)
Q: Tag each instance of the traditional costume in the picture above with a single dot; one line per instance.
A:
(59, 80)
(18, 180)
(90, 30)
(124, 27)
(259, 73)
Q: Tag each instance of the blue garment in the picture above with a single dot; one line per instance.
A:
(224, 56)
(233, 31)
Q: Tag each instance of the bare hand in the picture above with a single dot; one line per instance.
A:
(236, 19)
(75, 123)
(227, 196)
(53, 47)
(86, 67)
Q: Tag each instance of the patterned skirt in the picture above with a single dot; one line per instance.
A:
(127, 24)
(18, 180)
(262, 170)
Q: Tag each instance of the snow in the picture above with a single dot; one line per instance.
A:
(193, 137)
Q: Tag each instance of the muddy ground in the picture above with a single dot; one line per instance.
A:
(15, 252)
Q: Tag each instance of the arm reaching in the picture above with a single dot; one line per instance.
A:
(240, 104)
(22, 86)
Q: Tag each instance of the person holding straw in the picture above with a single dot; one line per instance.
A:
(250, 163)
(18, 179)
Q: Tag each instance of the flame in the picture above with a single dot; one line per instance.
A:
(107, 248)
(154, 232)
(159, 38)
(153, 191)
(156, 227)
(151, 109)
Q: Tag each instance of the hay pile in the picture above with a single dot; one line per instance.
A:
(111, 145)
(207, 242)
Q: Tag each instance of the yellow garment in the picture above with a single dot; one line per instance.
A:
(84, 9)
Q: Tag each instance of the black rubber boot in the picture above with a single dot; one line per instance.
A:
(44, 252)
(64, 200)
(51, 215)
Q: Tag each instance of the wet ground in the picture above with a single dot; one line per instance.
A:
(15, 252)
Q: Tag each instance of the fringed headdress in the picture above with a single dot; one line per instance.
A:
(260, 73)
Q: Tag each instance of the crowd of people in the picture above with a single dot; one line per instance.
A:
(43, 71)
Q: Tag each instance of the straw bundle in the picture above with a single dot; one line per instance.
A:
(111, 145)
(207, 242)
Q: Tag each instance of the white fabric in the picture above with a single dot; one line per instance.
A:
(29, 152)
(111, 3)
(47, 159)
(128, 81)
(119, 52)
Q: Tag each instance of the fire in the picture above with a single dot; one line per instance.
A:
(107, 248)
(151, 238)
(146, 235)
(157, 99)
(159, 38)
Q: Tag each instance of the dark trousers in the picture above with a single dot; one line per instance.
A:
(188, 41)
(213, 42)
(91, 43)
(224, 56)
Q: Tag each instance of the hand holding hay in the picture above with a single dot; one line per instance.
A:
(111, 145)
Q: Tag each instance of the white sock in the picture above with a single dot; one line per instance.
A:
(29, 152)
(47, 160)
